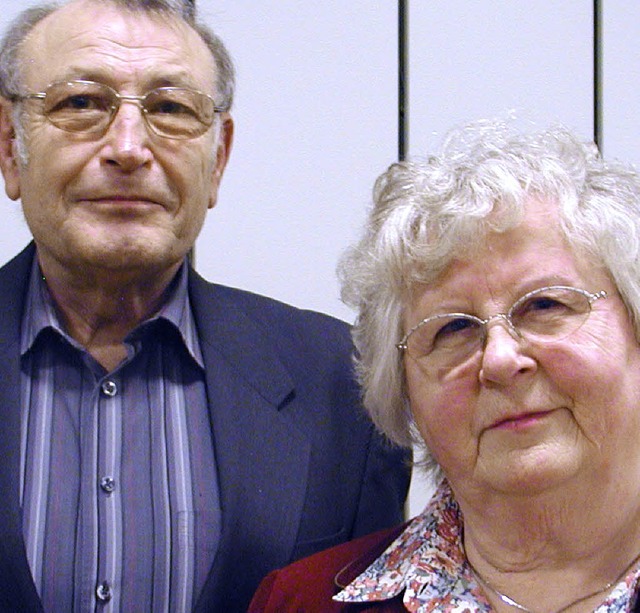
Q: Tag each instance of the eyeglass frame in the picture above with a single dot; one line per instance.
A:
(115, 107)
(402, 346)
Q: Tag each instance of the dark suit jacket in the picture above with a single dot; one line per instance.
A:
(300, 466)
(308, 585)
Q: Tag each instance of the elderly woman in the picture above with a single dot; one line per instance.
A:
(498, 297)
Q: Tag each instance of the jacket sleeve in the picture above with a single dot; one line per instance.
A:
(293, 590)
(308, 585)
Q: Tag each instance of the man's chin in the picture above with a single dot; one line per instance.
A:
(130, 257)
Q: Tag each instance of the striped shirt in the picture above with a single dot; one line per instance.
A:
(118, 484)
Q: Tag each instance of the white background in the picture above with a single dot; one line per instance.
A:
(316, 113)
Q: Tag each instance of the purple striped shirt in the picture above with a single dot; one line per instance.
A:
(119, 491)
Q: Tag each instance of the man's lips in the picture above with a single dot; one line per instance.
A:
(124, 204)
(122, 198)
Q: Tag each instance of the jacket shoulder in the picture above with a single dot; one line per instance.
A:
(289, 330)
(262, 308)
(14, 276)
(17, 269)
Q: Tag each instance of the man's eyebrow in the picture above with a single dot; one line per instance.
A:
(177, 79)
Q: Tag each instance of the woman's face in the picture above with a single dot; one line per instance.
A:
(521, 416)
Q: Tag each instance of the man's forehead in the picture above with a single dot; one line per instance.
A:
(99, 34)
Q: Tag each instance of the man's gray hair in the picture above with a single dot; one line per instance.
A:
(425, 213)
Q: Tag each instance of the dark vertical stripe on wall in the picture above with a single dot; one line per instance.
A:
(403, 79)
(597, 73)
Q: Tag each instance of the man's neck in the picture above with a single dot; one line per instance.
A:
(100, 308)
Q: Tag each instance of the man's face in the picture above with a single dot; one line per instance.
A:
(129, 199)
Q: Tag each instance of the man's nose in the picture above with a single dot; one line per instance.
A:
(127, 138)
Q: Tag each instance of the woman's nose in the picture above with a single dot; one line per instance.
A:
(504, 353)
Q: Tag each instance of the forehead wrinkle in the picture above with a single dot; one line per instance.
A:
(175, 55)
(160, 73)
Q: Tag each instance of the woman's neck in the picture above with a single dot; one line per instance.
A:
(547, 551)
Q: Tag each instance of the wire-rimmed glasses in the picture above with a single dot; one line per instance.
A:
(88, 107)
(545, 314)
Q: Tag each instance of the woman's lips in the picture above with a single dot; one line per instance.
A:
(520, 421)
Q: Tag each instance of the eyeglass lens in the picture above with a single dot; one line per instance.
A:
(549, 313)
(83, 106)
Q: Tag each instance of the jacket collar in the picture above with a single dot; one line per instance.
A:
(236, 338)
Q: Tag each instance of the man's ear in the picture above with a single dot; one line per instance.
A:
(225, 141)
(9, 164)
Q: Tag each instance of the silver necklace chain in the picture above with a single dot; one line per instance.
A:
(516, 605)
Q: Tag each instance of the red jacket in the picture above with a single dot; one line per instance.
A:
(307, 586)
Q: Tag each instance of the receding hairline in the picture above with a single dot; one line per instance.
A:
(44, 39)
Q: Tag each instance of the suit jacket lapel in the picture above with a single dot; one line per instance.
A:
(256, 445)
(17, 590)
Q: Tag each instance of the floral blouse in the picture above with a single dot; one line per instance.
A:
(428, 564)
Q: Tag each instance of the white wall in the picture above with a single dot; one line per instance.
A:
(473, 59)
(315, 116)
(621, 80)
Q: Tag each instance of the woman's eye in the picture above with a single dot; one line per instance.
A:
(542, 303)
(454, 330)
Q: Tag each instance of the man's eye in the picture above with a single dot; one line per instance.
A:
(170, 107)
(81, 102)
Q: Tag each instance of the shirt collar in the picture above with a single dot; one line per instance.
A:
(40, 313)
(426, 561)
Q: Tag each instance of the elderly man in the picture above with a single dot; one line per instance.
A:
(165, 441)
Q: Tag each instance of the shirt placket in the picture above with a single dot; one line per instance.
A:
(109, 497)
(100, 531)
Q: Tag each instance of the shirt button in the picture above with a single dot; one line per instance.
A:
(107, 484)
(109, 388)
(103, 592)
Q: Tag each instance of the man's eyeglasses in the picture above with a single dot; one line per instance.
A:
(89, 108)
(545, 314)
